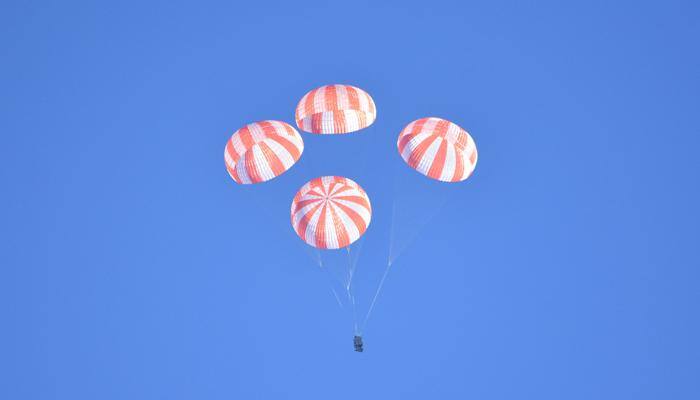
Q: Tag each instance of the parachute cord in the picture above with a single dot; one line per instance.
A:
(348, 289)
(398, 250)
(394, 195)
(335, 277)
(331, 283)
(354, 314)
(349, 271)
(337, 298)
(376, 295)
(391, 229)
(353, 263)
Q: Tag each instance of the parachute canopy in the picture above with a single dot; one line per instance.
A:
(335, 109)
(439, 149)
(261, 151)
(330, 212)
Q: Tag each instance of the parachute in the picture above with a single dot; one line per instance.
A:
(438, 149)
(330, 212)
(261, 151)
(334, 109)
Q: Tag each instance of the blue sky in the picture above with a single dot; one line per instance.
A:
(134, 267)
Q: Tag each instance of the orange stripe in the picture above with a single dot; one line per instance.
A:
(299, 204)
(304, 221)
(321, 228)
(341, 232)
(354, 216)
(291, 147)
(439, 161)
(316, 188)
(251, 167)
(331, 103)
(289, 129)
(316, 182)
(405, 140)
(332, 186)
(417, 153)
(246, 138)
(309, 105)
(316, 123)
(459, 166)
(339, 122)
(417, 128)
(353, 100)
(345, 187)
(355, 199)
(233, 173)
(315, 192)
(231, 151)
(462, 139)
(343, 190)
(330, 98)
(441, 128)
(268, 129)
(272, 159)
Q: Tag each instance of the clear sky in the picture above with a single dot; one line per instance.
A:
(566, 267)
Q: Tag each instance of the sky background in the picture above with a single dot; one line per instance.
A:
(566, 267)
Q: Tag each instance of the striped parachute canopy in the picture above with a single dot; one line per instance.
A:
(330, 212)
(335, 109)
(261, 151)
(439, 149)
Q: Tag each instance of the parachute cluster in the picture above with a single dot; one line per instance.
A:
(332, 212)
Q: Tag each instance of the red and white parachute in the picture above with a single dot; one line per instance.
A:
(333, 109)
(439, 149)
(262, 150)
(330, 212)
